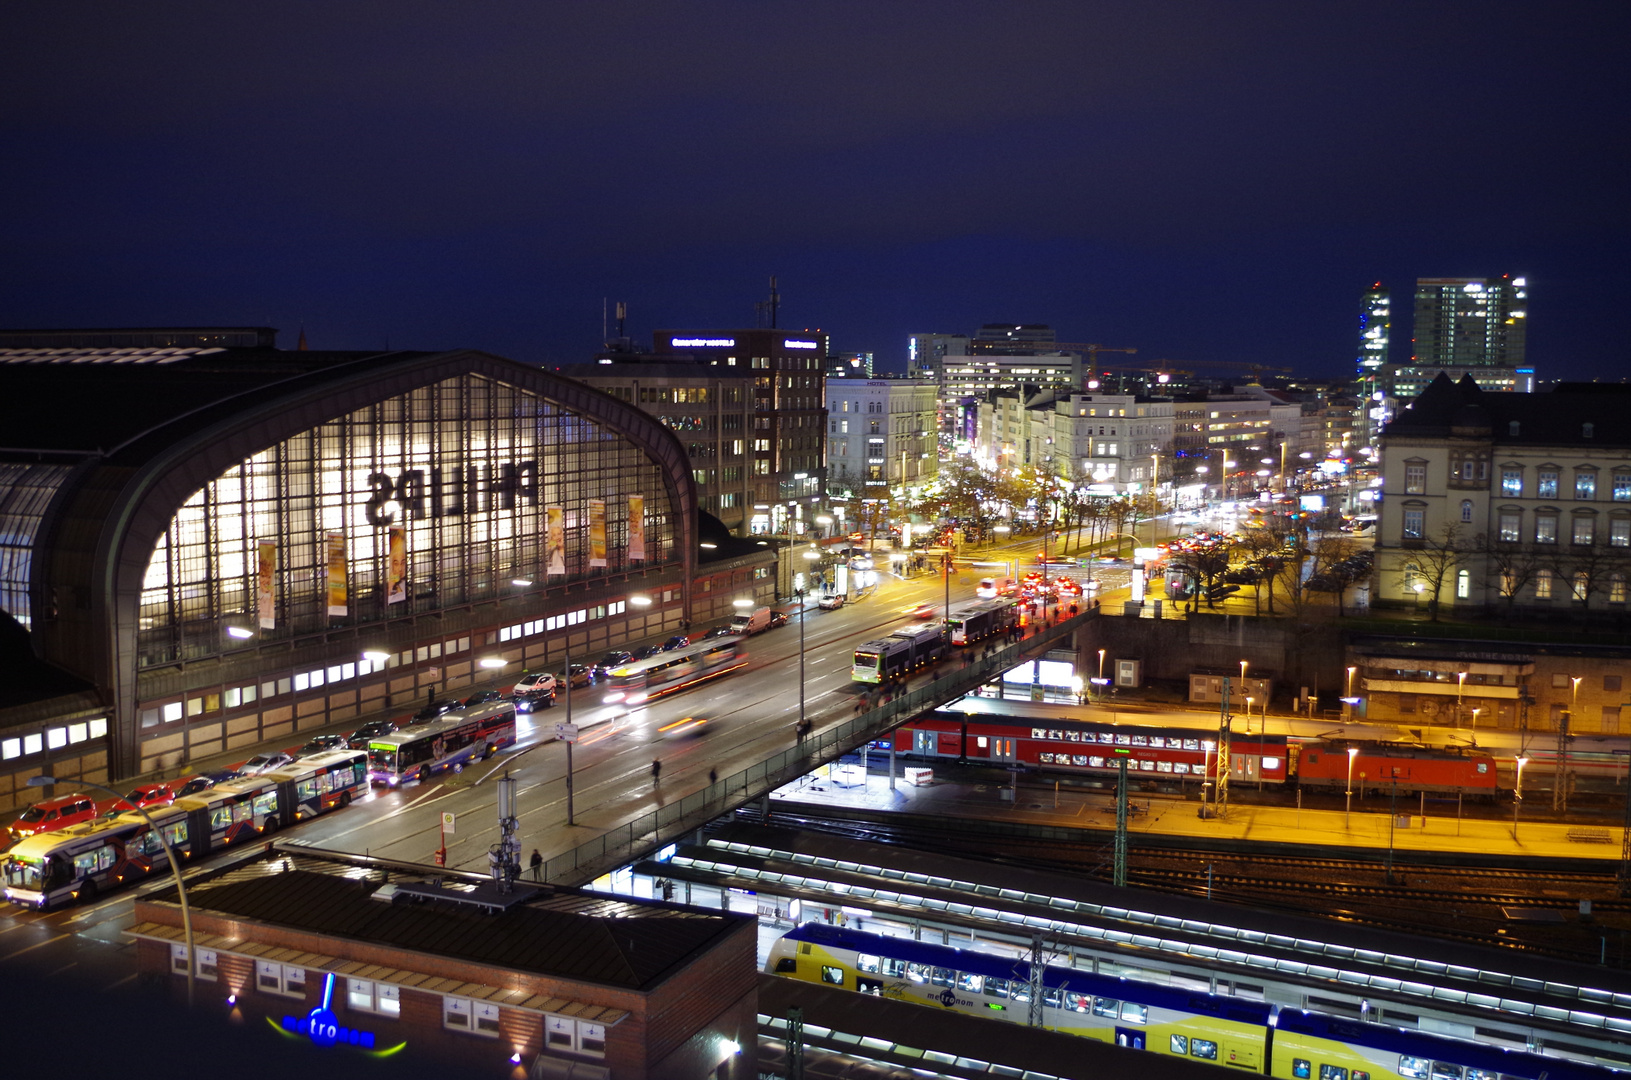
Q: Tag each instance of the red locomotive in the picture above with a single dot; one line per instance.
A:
(1387, 767)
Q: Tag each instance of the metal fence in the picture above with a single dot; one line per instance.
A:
(960, 673)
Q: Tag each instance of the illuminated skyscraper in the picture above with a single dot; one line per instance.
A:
(1469, 322)
(1375, 321)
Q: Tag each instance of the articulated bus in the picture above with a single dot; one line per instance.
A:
(904, 651)
(639, 681)
(78, 862)
(971, 622)
(459, 738)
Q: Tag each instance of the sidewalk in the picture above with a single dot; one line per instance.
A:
(1174, 817)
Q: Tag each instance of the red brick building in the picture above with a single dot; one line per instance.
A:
(560, 982)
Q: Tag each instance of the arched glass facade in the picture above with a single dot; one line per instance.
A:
(430, 500)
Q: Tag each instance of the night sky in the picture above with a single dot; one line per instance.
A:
(1204, 181)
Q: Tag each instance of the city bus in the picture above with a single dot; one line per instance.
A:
(459, 738)
(639, 681)
(79, 862)
(906, 650)
(971, 622)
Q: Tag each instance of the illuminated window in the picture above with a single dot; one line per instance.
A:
(1543, 584)
(1583, 530)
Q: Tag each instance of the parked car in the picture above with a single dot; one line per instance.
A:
(358, 740)
(482, 697)
(264, 763)
(778, 618)
(615, 658)
(721, 631)
(678, 641)
(434, 710)
(582, 675)
(646, 652)
(145, 795)
(192, 785)
(321, 743)
(52, 814)
(831, 601)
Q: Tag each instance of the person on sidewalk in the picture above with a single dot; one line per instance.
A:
(537, 865)
(656, 771)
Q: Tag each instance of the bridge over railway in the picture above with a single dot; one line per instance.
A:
(961, 673)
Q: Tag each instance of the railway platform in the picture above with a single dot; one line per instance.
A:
(1368, 826)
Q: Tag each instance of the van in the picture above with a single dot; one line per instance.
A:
(749, 623)
(53, 814)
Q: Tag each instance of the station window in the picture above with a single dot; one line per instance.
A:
(365, 995)
(208, 967)
(275, 978)
(465, 1014)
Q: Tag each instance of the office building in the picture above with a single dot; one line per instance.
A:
(881, 436)
(1375, 327)
(1470, 322)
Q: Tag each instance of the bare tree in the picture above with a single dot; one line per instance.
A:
(1585, 569)
(1205, 562)
(1438, 557)
(1515, 567)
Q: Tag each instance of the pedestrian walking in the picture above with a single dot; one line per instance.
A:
(713, 777)
(656, 771)
(537, 865)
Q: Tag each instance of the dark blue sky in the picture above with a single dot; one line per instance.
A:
(1204, 181)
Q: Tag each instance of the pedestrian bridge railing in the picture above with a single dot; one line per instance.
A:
(959, 674)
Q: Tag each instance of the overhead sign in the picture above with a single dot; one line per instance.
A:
(566, 732)
(323, 1028)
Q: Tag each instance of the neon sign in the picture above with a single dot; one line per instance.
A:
(791, 343)
(704, 342)
(323, 1028)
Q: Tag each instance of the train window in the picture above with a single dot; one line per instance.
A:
(1055, 735)
(1206, 1048)
(1137, 1014)
(1019, 991)
(1192, 744)
(1301, 1068)
(865, 962)
(1270, 763)
(1179, 1044)
(943, 977)
(996, 988)
(1039, 733)
(1443, 1070)
(1140, 740)
(1360, 1074)
(1157, 741)
(918, 973)
(1333, 1072)
(787, 965)
(974, 984)
(894, 968)
(1046, 759)
(1482, 1074)
(1483, 767)
(1146, 766)
(1181, 768)
(1106, 1007)
(1414, 1067)
(1107, 737)
(1163, 766)
(869, 986)
(1094, 761)
(1051, 998)
(1124, 740)
(1077, 736)
(1079, 1002)
(830, 974)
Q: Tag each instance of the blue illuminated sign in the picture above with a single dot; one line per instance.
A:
(791, 343)
(703, 342)
(322, 1027)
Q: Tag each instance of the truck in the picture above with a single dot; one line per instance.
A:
(748, 623)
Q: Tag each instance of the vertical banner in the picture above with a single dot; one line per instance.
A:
(554, 541)
(637, 527)
(597, 532)
(265, 574)
(336, 574)
(396, 567)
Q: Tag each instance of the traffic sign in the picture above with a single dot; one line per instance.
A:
(566, 732)
(447, 822)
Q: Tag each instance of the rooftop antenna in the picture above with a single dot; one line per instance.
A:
(770, 307)
(622, 317)
(504, 857)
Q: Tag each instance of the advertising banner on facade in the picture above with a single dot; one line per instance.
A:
(597, 532)
(336, 574)
(637, 527)
(554, 541)
(265, 574)
(396, 567)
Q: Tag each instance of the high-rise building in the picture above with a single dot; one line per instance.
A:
(924, 352)
(849, 365)
(1469, 322)
(1375, 323)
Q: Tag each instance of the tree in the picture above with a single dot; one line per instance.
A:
(1205, 562)
(1586, 569)
(1437, 558)
(1515, 567)
(1265, 549)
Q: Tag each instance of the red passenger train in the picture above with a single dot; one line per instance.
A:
(1164, 753)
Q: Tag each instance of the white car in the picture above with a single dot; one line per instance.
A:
(537, 689)
(830, 601)
(263, 763)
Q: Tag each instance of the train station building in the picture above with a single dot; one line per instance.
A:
(204, 547)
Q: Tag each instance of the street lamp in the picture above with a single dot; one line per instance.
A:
(1249, 700)
(1099, 682)
(1475, 713)
(1460, 685)
(1517, 794)
(175, 868)
(1353, 752)
(1243, 674)
(1347, 697)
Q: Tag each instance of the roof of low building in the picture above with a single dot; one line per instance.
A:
(560, 933)
(1573, 414)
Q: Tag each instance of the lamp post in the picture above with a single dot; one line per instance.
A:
(1243, 675)
(801, 661)
(1099, 682)
(1517, 794)
(1249, 700)
(1353, 752)
(1460, 686)
(175, 868)
(1348, 693)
